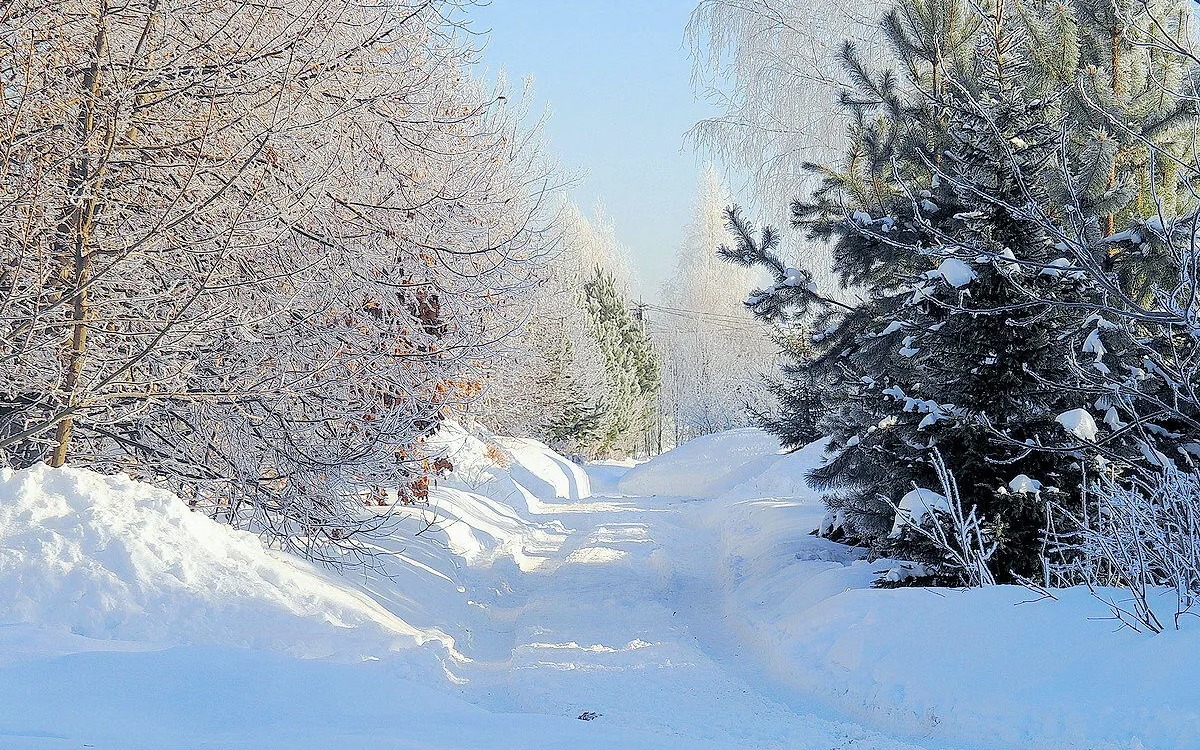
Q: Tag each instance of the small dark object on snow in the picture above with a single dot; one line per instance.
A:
(588, 716)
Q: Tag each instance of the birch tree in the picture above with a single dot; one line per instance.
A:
(715, 357)
(771, 69)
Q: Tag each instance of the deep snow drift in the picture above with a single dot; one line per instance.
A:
(109, 558)
(702, 617)
(994, 668)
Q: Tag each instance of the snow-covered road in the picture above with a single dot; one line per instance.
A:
(625, 621)
(622, 623)
(539, 613)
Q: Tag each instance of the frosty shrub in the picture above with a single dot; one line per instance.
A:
(962, 547)
(254, 252)
(1145, 534)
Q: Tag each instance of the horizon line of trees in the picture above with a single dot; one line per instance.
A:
(600, 374)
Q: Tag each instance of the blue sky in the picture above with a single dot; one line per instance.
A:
(615, 76)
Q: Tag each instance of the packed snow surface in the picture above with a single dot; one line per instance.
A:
(701, 618)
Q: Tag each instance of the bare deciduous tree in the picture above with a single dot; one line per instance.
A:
(253, 251)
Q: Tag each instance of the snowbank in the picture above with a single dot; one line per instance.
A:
(703, 624)
(993, 664)
(704, 467)
(988, 668)
(605, 475)
(783, 477)
(729, 466)
(513, 470)
(110, 558)
(480, 529)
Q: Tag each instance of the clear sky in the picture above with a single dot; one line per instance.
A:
(615, 76)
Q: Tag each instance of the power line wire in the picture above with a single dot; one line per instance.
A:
(713, 323)
(704, 313)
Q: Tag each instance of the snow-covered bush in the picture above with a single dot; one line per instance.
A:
(1142, 533)
(962, 547)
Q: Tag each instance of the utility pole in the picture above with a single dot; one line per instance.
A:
(639, 312)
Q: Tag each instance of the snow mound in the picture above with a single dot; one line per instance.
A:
(949, 663)
(915, 506)
(543, 471)
(1022, 484)
(508, 468)
(107, 557)
(993, 668)
(955, 272)
(1080, 423)
(605, 475)
(784, 478)
(704, 467)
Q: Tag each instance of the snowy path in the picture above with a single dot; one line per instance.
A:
(625, 621)
(129, 623)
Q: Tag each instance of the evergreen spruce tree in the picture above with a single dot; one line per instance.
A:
(797, 404)
(959, 339)
(988, 348)
(630, 363)
(576, 419)
(864, 207)
(564, 391)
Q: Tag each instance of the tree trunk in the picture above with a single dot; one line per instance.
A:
(77, 225)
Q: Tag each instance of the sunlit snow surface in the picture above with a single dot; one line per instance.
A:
(703, 619)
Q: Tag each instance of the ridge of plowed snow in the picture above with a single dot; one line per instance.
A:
(512, 470)
(782, 478)
(481, 530)
(107, 557)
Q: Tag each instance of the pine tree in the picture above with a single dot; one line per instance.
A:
(797, 403)
(1115, 71)
(554, 384)
(857, 360)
